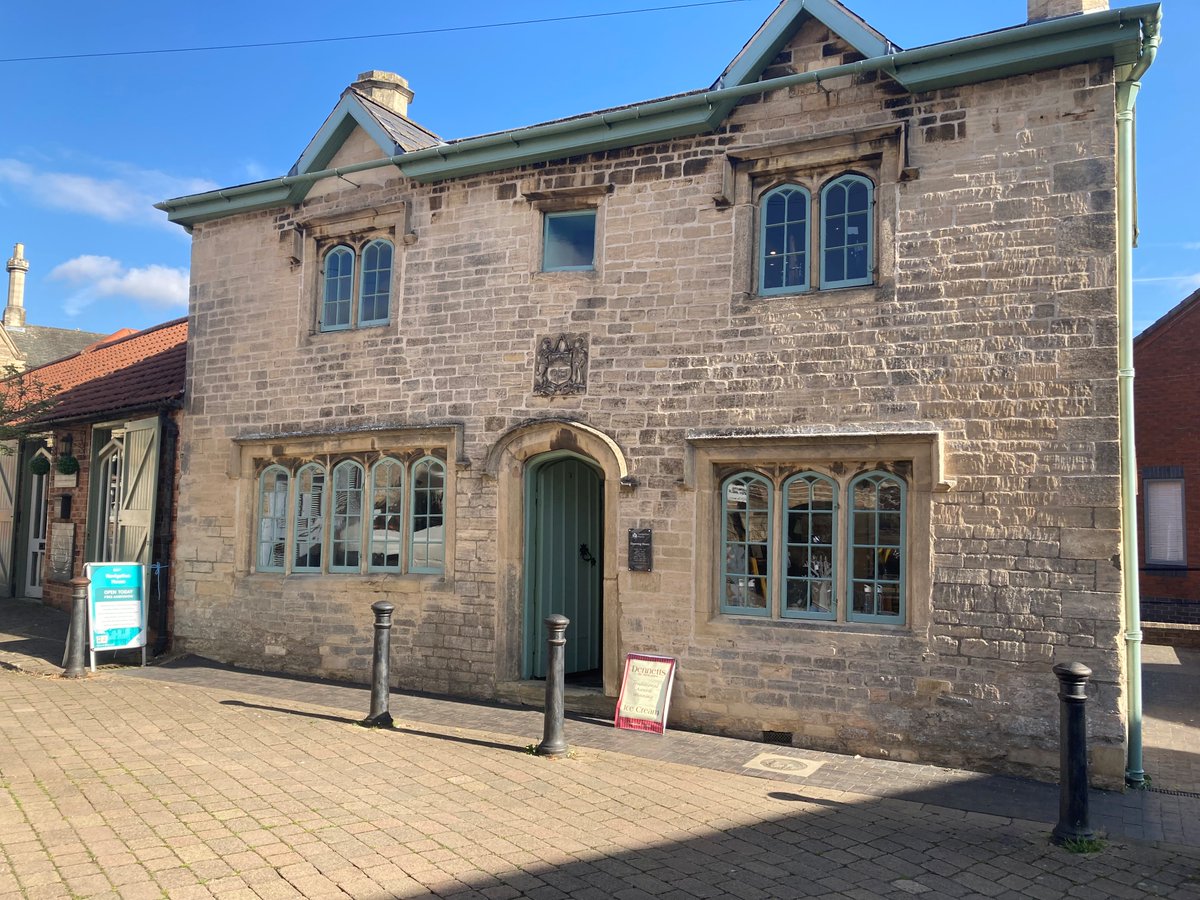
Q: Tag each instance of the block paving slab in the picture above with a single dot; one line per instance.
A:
(191, 779)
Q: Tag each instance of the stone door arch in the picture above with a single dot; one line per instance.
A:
(510, 463)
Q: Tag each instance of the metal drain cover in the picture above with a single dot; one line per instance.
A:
(784, 765)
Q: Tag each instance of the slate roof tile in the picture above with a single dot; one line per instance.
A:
(40, 344)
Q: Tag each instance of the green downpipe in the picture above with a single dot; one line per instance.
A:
(1127, 91)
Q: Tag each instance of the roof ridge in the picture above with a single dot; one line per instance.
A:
(1178, 311)
(359, 95)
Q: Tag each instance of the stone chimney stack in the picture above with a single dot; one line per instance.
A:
(387, 89)
(14, 313)
(1040, 10)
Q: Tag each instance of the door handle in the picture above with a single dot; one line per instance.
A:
(586, 555)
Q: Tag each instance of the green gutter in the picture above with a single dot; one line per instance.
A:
(1013, 51)
(1127, 91)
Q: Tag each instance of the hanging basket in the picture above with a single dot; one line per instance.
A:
(67, 465)
(39, 465)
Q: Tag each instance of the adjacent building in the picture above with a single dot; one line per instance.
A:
(808, 379)
(97, 481)
(1168, 455)
(22, 345)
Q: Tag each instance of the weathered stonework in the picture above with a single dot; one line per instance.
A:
(983, 356)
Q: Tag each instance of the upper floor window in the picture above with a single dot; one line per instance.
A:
(846, 232)
(840, 246)
(354, 300)
(353, 518)
(569, 241)
(784, 240)
(795, 555)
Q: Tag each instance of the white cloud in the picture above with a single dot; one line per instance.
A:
(1187, 282)
(96, 277)
(254, 170)
(1186, 245)
(119, 193)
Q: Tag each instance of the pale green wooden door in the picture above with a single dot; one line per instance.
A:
(565, 561)
(139, 483)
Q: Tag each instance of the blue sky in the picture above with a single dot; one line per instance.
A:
(87, 145)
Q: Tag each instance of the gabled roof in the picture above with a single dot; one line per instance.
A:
(781, 26)
(393, 132)
(140, 371)
(1169, 319)
(1113, 34)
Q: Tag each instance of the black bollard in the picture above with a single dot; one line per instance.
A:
(553, 743)
(77, 636)
(1073, 780)
(379, 717)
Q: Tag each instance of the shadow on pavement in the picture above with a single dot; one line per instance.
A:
(46, 649)
(345, 720)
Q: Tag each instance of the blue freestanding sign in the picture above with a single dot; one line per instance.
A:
(116, 607)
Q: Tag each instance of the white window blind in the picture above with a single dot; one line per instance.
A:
(1164, 522)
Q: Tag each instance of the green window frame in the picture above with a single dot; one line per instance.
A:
(345, 518)
(427, 497)
(387, 516)
(877, 549)
(810, 547)
(375, 285)
(365, 514)
(847, 231)
(308, 537)
(836, 551)
(569, 241)
(273, 485)
(783, 240)
(746, 517)
(337, 296)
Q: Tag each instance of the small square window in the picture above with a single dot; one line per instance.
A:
(569, 241)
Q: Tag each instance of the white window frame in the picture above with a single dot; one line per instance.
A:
(1152, 517)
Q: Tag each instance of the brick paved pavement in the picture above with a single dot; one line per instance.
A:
(191, 780)
(136, 787)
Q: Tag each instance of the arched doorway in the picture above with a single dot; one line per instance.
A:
(563, 573)
(514, 461)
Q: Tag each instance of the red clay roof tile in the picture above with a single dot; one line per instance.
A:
(121, 372)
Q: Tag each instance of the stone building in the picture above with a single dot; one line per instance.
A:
(808, 380)
(23, 346)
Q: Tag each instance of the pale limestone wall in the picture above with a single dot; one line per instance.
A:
(994, 324)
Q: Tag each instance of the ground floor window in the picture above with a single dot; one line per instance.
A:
(363, 513)
(813, 545)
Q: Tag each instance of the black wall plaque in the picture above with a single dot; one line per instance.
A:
(641, 549)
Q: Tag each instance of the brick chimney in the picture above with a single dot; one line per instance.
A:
(14, 313)
(1040, 10)
(385, 88)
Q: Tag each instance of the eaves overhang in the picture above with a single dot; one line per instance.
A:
(1118, 38)
(1114, 34)
(166, 404)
